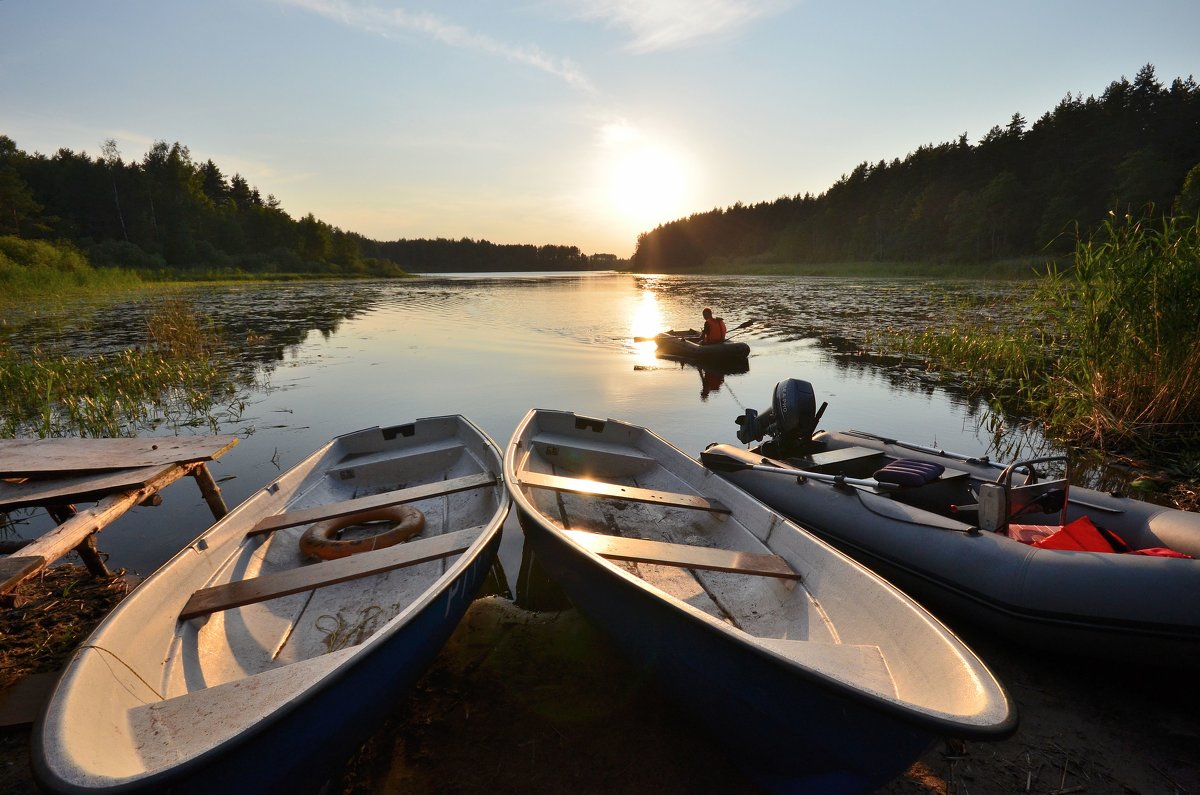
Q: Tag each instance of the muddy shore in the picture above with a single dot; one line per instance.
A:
(521, 702)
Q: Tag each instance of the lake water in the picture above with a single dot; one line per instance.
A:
(335, 357)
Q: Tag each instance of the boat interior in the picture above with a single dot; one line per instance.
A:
(267, 605)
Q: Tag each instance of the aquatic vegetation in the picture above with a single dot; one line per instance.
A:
(181, 377)
(1106, 352)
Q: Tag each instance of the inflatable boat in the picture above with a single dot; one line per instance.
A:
(1014, 548)
(681, 344)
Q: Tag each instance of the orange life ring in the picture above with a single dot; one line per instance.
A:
(321, 541)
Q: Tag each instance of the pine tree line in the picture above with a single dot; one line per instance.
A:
(168, 213)
(1020, 191)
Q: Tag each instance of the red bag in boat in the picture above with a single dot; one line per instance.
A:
(1080, 535)
(1161, 552)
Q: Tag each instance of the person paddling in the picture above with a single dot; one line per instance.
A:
(714, 329)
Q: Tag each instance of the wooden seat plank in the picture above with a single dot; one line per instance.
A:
(617, 492)
(330, 572)
(687, 556)
(336, 510)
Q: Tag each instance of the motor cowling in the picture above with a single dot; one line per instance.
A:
(793, 415)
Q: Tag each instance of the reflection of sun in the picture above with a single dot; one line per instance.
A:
(645, 181)
(645, 320)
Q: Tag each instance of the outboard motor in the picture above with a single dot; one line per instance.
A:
(792, 417)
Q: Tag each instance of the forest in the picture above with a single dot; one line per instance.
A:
(169, 215)
(1022, 191)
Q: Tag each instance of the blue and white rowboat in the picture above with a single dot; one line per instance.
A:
(810, 671)
(240, 666)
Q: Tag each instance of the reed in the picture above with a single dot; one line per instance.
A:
(1105, 352)
(181, 377)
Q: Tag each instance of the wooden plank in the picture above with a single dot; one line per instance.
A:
(614, 491)
(686, 556)
(835, 457)
(330, 572)
(79, 488)
(335, 510)
(71, 533)
(23, 457)
(16, 568)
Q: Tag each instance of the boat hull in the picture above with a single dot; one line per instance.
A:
(672, 344)
(1122, 607)
(789, 727)
(787, 733)
(333, 700)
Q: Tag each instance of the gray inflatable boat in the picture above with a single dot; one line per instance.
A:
(1011, 547)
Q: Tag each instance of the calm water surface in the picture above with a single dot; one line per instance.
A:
(336, 357)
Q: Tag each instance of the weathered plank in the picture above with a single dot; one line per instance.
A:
(71, 533)
(330, 572)
(686, 556)
(617, 492)
(336, 510)
(16, 568)
(78, 488)
(24, 457)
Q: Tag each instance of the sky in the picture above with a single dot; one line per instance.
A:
(566, 122)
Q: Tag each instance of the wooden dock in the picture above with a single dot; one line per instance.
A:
(116, 474)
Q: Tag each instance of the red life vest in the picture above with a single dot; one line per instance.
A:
(714, 331)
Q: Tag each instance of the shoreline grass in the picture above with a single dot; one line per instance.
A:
(181, 377)
(1006, 270)
(39, 269)
(1104, 353)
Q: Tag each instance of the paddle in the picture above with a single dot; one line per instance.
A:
(718, 462)
(734, 329)
(967, 459)
(737, 329)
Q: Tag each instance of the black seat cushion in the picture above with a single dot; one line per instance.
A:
(907, 472)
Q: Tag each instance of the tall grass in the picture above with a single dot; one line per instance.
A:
(181, 377)
(35, 269)
(1104, 353)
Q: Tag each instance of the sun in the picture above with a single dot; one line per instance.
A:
(646, 181)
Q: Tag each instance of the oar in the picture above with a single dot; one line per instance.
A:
(719, 462)
(966, 459)
(737, 329)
